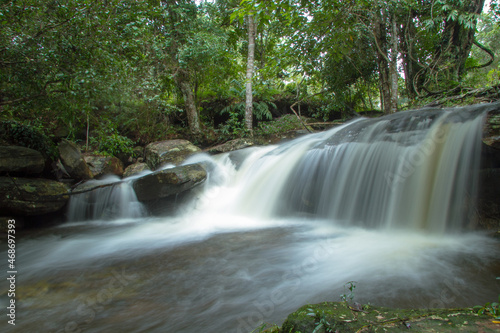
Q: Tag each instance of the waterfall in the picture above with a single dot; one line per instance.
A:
(410, 170)
(376, 201)
(111, 198)
(413, 170)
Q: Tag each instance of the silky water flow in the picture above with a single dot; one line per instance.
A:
(388, 203)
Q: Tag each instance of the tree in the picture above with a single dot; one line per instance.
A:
(62, 61)
(178, 24)
(433, 39)
(249, 75)
(438, 37)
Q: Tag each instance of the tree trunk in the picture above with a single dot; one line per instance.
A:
(380, 35)
(413, 81)
(456, 43)
(393, 65)
(250, 69)
(182, 79)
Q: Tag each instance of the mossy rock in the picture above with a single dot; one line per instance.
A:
(31, 196)
(341, 317)
(169, 182)
(169, 152)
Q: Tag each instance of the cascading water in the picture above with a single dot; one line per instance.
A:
(415, 170)
(105, 199)
(378, 201)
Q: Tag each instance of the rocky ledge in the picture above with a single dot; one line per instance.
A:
(342, 317)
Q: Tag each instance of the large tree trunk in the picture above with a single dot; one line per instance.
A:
(456, 43)
(182, 79)
(250, 69)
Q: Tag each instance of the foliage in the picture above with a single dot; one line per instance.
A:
(73, 63)
(490, 308)
(322, 323)
(282, 124)
(234, 127)
(347, 297)
(261, 108)
(108, 142)
(27, 136)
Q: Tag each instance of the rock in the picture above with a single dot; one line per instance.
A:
(10, 222)
(340, 317)
(73, 161)
(488, 205)
(91, 185)
(20, 161)
(169, 182)
(169, 152)
(230, 146)
(101, 165)
(491, 129)
(135, 169)
(61, 131)
(31, 196)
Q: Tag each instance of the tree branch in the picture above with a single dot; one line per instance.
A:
(485, 49)
(298, 117)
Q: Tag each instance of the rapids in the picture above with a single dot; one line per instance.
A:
(385, 202)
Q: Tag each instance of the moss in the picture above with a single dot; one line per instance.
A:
(332, 317)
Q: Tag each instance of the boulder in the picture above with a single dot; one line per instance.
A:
(101, 165)
(230, 146)
(491, 129)
(164, 183)
(488, 209)
(169, 152)
(8, 222)
(134, 169)
(20, 161)
(31, 196)
(73, 161)
(344, 317)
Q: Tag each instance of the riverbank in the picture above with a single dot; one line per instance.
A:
(341, 317)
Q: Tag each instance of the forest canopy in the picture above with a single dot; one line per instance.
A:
(144, 70)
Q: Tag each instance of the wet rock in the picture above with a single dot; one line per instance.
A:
(341, 317)
(169, 152)
(73, 161)
(20, 161)
(101, 165)
(488, 209)
(31, 196)
(168, 182)
(10, 222)
(230, 146)
(491, 129)
(135, 169)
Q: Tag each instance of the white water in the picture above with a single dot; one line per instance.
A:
(378, 202)
(116, 201)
